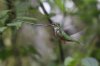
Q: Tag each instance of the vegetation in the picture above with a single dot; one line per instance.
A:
(32, 34)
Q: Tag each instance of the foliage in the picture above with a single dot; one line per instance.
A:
(85, 50)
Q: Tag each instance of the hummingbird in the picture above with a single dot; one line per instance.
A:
(63, 35)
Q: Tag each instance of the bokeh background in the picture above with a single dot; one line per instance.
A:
(49, 33)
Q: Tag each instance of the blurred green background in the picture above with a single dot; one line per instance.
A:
(49, 33)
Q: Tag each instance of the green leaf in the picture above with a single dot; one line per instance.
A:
(2, 29)
(16, 24)
(4, 13)
(3, 17)
(68, 61)
(89, 62)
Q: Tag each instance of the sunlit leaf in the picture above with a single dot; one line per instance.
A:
(68, 60)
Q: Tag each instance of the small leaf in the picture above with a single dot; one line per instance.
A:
(3, 17)
(16, 24)
(2, 29)
(4, 13)
(89, 62)
(68, 60)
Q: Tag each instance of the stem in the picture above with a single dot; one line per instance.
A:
(61, 50)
